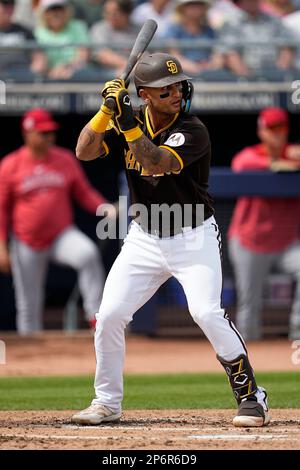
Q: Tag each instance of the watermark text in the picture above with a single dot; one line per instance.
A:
(2, 92)
(2, 352)
(296, 94)
(162, 220)
(296, 354)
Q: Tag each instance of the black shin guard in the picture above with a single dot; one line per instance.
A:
(240, 376)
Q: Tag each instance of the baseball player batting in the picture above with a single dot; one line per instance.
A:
(166, 154)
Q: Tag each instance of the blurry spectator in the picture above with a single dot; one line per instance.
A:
(262, 59)
(159, 10)
(192, 25)
(17, 63)
(26, 13)
(114, 35)
(59, 29)
(264, 232)
(277, 8)
(38, 182)
(292, 23)
(87, 10)
(220, 12)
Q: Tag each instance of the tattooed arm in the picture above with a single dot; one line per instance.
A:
(153, 159)
(89, 145)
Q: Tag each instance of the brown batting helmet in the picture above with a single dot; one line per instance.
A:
(158, 70)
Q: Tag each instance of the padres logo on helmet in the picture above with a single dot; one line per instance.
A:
(161, 70)
(157, 70)
(172, 66)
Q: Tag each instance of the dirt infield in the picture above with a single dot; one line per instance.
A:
(141, 430)
(58, 354)
(55, 353)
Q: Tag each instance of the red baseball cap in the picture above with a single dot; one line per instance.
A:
(272, 117)
(39, 119)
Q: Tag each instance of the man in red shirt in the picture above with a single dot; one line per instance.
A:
(38, 182)
(264, 232)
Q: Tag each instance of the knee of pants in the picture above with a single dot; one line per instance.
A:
(112, 317)
(110, 328)
(205, 315)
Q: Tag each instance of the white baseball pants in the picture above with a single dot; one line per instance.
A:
(29, 267)
(144, 263)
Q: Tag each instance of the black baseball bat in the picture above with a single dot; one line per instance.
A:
(142, 41)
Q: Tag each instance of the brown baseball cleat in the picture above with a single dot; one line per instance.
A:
(251, 414)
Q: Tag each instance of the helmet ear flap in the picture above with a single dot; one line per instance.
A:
(187, 95)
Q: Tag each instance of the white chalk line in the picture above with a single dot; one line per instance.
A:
(130, 428)
(153, 429)
(235, 437)
(57, 438)
(153, 438)
(134, 428)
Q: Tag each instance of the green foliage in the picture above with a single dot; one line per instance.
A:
(173, 391)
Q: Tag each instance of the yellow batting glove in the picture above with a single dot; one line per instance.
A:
(101, 120)
(112, 86)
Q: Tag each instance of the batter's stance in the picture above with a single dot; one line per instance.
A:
(167, 157)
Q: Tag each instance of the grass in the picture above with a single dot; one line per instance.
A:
(173, 391)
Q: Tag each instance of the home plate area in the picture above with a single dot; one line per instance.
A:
(146, 430)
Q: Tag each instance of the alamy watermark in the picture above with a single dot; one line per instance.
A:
(161, 220)
(2, 352)
(2, 92)
(296, 354)
(296, 93)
